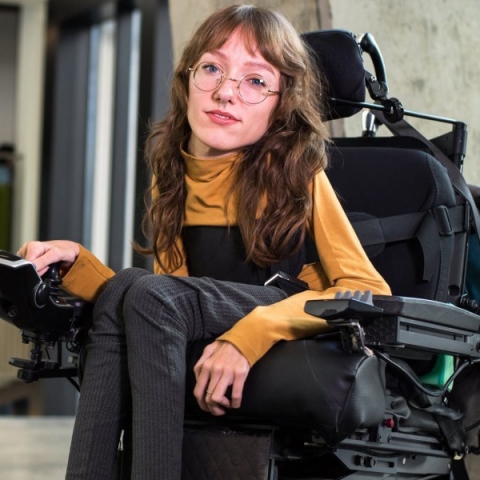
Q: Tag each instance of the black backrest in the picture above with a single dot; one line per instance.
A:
(399, 198)
(405, 211)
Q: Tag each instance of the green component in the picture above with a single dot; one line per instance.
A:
(441, 372)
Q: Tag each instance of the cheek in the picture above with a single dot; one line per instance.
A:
(193, 105)
(263, 119)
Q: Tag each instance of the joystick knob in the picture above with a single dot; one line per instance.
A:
(51, 280)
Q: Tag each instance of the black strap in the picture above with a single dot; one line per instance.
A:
(459, 470)
(425, 226)
(403, 129)
(372, 231)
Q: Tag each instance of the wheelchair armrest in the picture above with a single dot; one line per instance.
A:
(342, 309)
(405, 323)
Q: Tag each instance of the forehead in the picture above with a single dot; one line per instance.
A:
(236, 42)
(240, 49)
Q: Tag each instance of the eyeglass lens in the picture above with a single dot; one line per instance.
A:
(252, 88)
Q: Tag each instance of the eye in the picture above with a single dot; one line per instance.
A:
(210, 69)
(255, 81)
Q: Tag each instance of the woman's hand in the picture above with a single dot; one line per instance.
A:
(43, 254)
(220, 366)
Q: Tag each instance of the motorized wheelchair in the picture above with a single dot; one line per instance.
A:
(370, 399)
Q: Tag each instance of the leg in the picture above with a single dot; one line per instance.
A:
(162, 314)
(105, 398)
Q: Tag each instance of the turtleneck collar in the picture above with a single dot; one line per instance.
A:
(206, 169)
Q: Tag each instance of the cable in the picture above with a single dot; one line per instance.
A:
(74, 383)
(417, 384)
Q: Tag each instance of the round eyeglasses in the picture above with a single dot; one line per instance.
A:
(252, 88)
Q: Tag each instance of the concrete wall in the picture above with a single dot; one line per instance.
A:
(430, 49)
(186, 15)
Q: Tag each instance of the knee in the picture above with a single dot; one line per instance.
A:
(145, 291)
(155, 298)
(125, 278)
(117, 287)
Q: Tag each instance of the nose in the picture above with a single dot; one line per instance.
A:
(226, 91)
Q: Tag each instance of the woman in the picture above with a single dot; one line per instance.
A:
(238, 192)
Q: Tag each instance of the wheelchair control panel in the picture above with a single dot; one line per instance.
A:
(46, 315)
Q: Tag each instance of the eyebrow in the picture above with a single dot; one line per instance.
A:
(265, 66)
(249, 63)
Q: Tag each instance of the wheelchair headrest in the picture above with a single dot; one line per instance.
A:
(339, 58)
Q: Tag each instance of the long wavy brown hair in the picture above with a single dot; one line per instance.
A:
(279, 167)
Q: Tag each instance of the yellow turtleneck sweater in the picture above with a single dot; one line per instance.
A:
(343, 265)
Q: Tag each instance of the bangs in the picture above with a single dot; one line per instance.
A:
(262, 30)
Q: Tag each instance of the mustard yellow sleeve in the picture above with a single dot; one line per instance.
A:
(87, 277)
(345, 265)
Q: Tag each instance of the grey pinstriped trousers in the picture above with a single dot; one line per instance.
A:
(136, 367)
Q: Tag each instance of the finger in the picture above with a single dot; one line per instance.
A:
(214, 407)
(237, 388)
(43, 262)
(234, 376)
(31, 250)
(219, 396)
(21, 250)
(200, 390)
(216, 398)
(41, 272)
(207, 353)
(209, 391)
(217, 410)
(219, 390)
(218, 369)
(35, 252)
(202, 375)
(207, 404)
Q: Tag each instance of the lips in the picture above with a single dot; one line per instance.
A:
(222, 118)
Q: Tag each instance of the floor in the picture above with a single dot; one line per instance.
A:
(36, 448)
